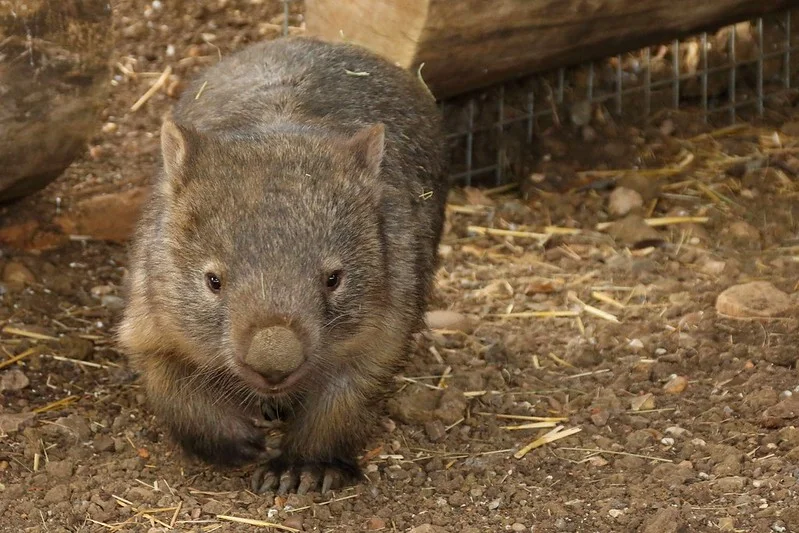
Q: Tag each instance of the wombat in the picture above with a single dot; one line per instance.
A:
(285, 257)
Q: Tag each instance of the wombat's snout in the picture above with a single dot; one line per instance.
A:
(275, 352)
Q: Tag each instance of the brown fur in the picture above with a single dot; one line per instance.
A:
(286, 167)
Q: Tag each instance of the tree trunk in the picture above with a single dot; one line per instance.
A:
(54, 78)
(469, 44)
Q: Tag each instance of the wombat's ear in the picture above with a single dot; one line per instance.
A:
(174, 146)
(368, 145)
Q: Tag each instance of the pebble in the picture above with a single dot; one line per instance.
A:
(615, 513)
(753, 299)
(59, 493)
(444, 319)
(60, 469)
(623, 200)
(677, 431)
(632, 230)
(493, 504)
(518, 526)
(10, 422)
(112, 302)
(727, 523)
(294, 522)
(676, 385)
(17, 275)
(103, 443)
(215, 507)
(757, 298)
(730, 484)
(375, 524)
(426, 528)
(435, 430)
(14, 379)
(666, 520)
(636, 344)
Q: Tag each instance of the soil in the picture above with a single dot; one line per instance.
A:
(673, 415)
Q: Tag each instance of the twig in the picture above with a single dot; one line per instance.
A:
(551, 436)
(259, 523)
(153, 89)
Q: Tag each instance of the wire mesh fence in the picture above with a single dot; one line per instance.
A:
(734, 73)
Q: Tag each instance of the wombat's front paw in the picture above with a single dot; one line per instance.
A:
(302, 477)
(272, 439)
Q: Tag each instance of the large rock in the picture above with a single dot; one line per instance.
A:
(54, 78)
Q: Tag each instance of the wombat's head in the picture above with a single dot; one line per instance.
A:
(276, 250)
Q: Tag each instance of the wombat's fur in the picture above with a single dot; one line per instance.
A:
(284, 164)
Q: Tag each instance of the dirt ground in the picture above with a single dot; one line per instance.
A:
(667, 407)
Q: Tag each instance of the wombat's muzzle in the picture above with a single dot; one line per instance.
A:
(275, 352)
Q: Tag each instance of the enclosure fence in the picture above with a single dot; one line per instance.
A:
(734, 73)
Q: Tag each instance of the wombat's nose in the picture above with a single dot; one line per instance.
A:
(275, 352)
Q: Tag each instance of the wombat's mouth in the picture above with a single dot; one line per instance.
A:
(265, 386)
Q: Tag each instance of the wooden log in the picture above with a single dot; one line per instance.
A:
(469, 44)
(54, 78)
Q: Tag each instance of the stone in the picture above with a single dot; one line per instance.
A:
(451, 320)
(111, 216)
(666, 520)
(623, 200)
(17, 275)
(13, 380)
(51, 100)
(753, 299)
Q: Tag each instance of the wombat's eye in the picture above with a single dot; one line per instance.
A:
(214, 283)
(333, 280)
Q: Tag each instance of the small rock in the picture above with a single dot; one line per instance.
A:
(14, 379)
(112, 302)
(17, 275)
(435, 430)
(76, 426)
(782, 414)
(57, 494)
(60, 469)
(103, 443)
(375, 524)
(744, 232)
(11, 422)
(640, 439)
(294, 522)
(452, 320)
(444, 250)
(643, 402)
(494, 504)
(667, 127)
(580, 112)
(518, 526)
(754, 299)
(426, 528)
(730, 484)
(110, 216)
(99, 291)
(711, 267)
(636, 345)
(677, 431)
(215, 507)
(666, 520)
(726, 524)
(623, 200)
(76, 348)
(632, 230)
(676, 385)
(615, 513)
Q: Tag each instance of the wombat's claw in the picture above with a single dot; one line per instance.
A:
(263, 480)
(300, 479)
